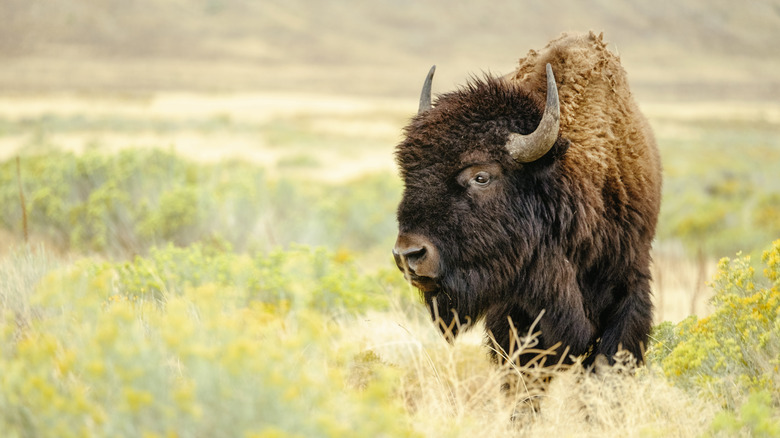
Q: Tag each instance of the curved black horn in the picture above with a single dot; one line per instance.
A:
(531, 147)
(425, 96)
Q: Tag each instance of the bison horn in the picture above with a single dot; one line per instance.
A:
(531, 147)
(425, 96)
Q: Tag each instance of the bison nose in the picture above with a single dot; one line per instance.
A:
(417, 255)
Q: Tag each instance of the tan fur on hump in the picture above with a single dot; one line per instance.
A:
(599, 116)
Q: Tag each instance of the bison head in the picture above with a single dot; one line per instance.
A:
(476, 169)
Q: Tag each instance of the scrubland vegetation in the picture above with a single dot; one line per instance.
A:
(161, 295)
(197, 209)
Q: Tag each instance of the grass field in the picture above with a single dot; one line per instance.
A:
(164, 289)
(198, 206)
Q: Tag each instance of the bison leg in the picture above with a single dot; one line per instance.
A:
(629, 323)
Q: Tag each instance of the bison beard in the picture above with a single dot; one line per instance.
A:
(535, 193)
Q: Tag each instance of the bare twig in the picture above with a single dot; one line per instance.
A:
(21, 198)
(701, 278)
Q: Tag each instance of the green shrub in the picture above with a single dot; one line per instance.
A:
(721, 194)
(293, 279)
(122, 205)
(757, 417)
(192, 342)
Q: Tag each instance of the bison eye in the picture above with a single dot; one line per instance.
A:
(481, 179)
(480, 175)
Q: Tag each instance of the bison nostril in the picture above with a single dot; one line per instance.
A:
(413, 255)
(409, 258)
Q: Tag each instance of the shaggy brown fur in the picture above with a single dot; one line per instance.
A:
(569, 234)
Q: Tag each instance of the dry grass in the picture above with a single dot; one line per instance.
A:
(679, 285)
(457, 389)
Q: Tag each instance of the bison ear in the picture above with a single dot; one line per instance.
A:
(425, 96)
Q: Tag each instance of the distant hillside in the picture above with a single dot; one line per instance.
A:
(696, 49)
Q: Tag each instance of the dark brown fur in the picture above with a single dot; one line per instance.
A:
(569, 234)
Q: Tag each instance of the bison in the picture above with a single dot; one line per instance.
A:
(535, 195)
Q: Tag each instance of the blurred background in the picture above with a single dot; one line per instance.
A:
(258, 124)
(672, 50)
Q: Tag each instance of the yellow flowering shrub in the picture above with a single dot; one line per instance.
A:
(148, 348)
(735, 351)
